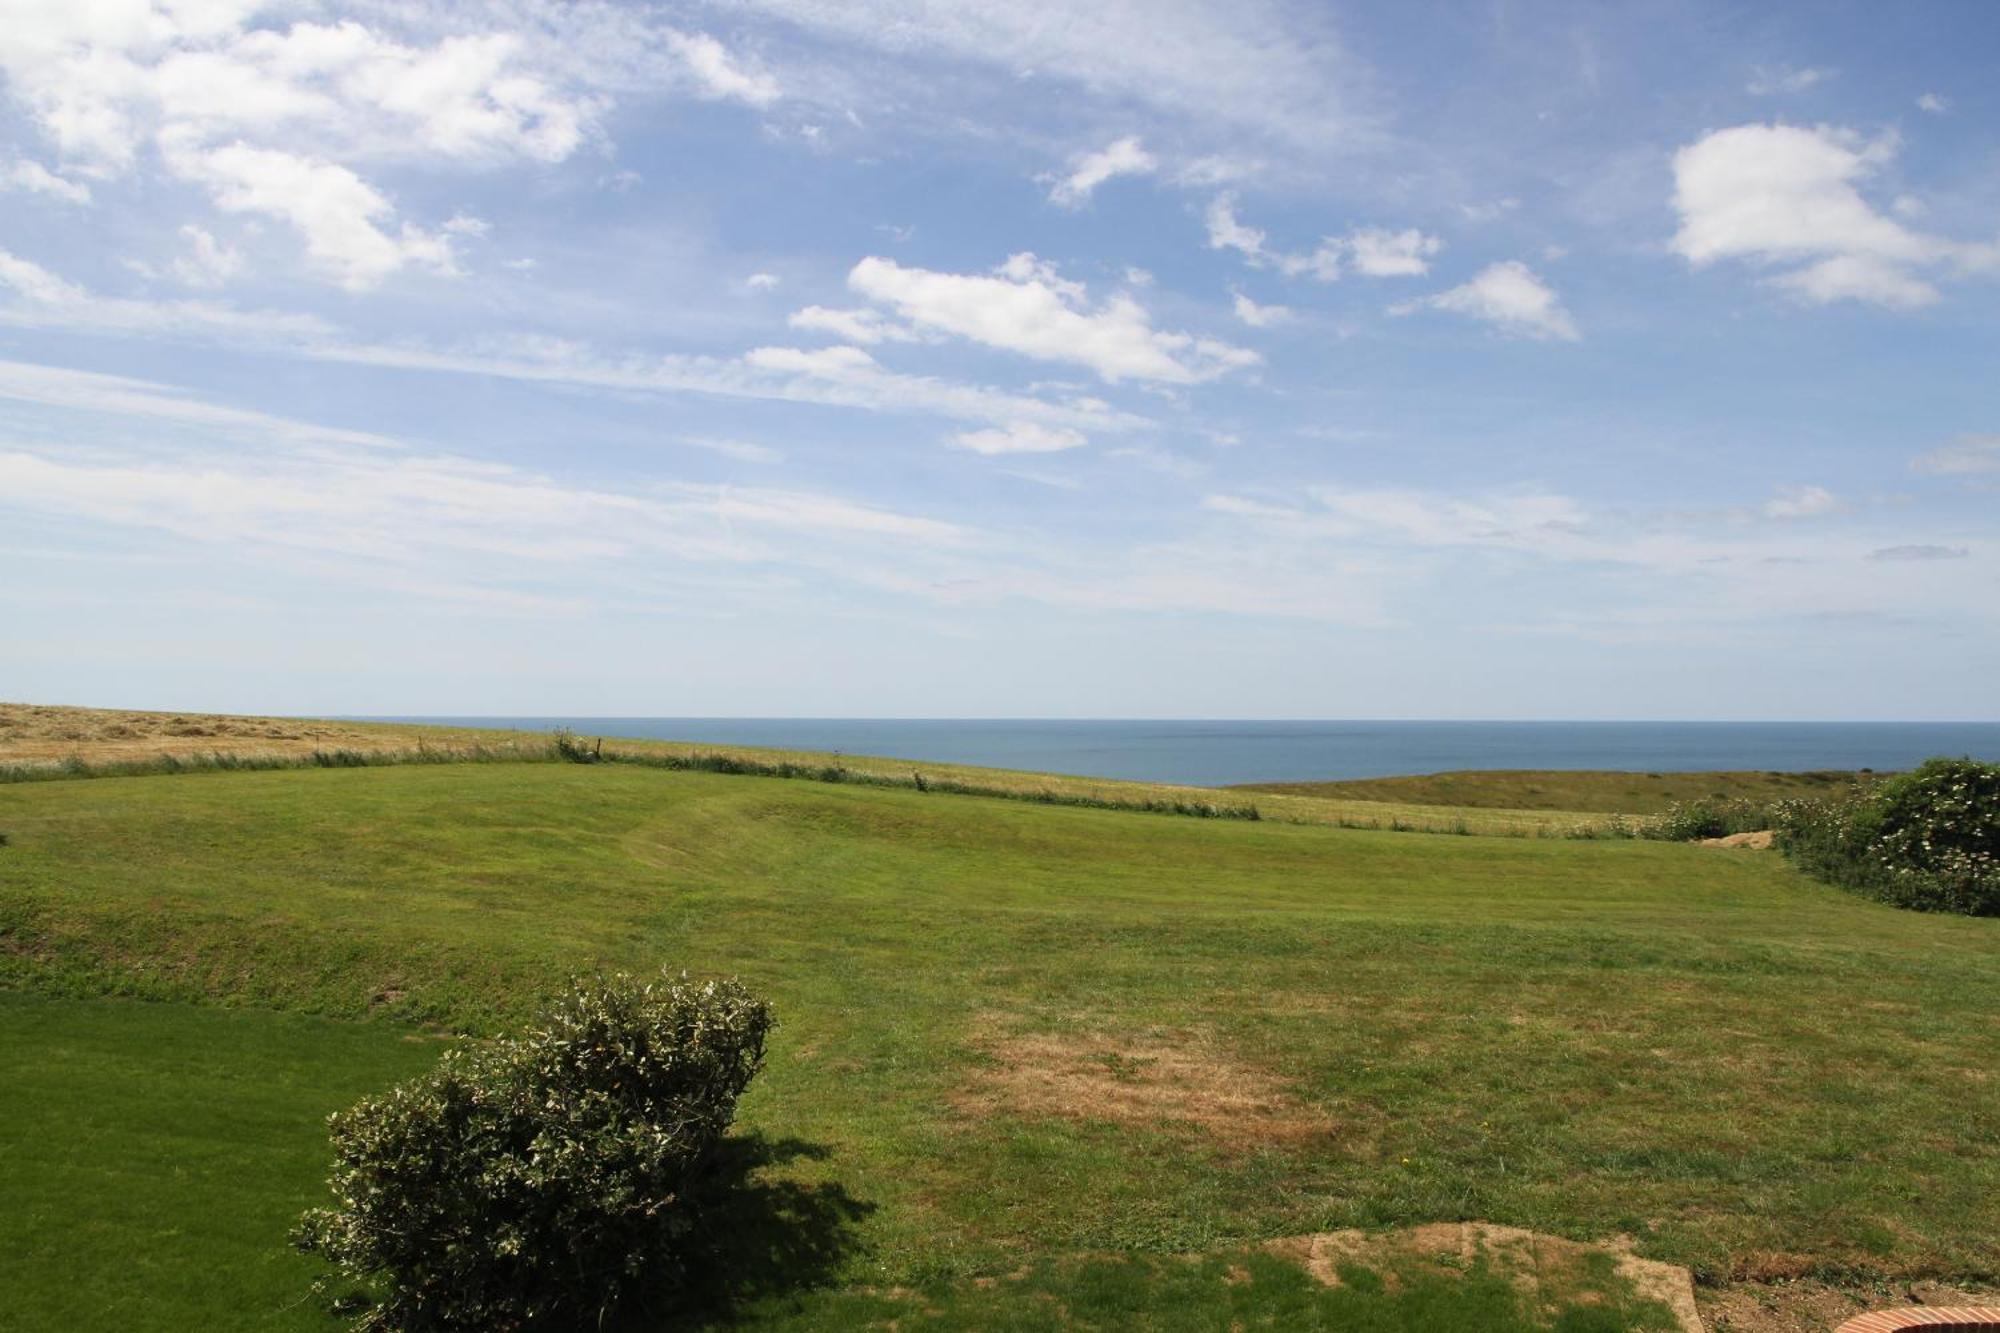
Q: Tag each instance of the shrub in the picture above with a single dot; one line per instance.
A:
(1928, 839)
(571, 747)
(1709, 817)
(1613, 828)
(538, 1180)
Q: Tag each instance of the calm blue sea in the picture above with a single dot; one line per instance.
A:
(1218, 753)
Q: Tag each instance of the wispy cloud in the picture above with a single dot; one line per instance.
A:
(1025, 306)
(1509, 296)
(42, 299)
(89, 391)
(835, 376)
(1087, 171)
(1372, 252)
(1777, 80)
(1965, 455)
(1259, 66)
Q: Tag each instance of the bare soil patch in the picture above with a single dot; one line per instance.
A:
(1177, 1080)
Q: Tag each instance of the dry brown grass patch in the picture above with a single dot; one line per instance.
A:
(1548, 1269)
(32, 732)
(1184, 1081)
(1814, 1307)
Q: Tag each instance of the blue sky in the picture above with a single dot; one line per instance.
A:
(931, 358)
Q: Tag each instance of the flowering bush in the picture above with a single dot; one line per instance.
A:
(1928, 839)
(534, 1181)
(1714, 817)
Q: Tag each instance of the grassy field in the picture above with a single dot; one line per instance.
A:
(1567, 790)
(44, 740)
(1029, 1053)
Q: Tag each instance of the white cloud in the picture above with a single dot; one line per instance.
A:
(1857, 278)
(1785, 195)
(720, 74)
(1375, 252)
(334, 210)
(31, 176)
(1020, 437)
(1322, 263)
(1934, 104)
(1260, 316)
(211, 81)
(1801, 502)
(761, 282)
(1228, 232)
(1024, 306)
(1508, 296)
(1964, 455)
(206, 262)
(856, 326)
(1123, 157)
(1380, 253)
(101, 84)
(1225, 232)
(1779, 79)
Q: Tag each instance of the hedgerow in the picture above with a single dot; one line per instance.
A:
(1928, 839)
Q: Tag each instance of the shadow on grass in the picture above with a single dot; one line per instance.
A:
(758, 1239)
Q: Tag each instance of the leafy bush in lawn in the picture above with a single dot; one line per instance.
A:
(540, 1179)
(1928, 839)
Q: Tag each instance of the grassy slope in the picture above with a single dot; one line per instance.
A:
(41, 736)
(1699, 1048)
(1562, 789)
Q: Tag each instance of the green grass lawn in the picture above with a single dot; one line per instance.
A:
(153, 1157)
(1602, 792)
(1749, 1073)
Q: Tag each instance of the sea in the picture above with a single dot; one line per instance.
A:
(1219, 753)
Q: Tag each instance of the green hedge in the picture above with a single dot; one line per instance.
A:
(1928, 839)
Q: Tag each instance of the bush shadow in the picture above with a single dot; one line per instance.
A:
(758, 1237)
